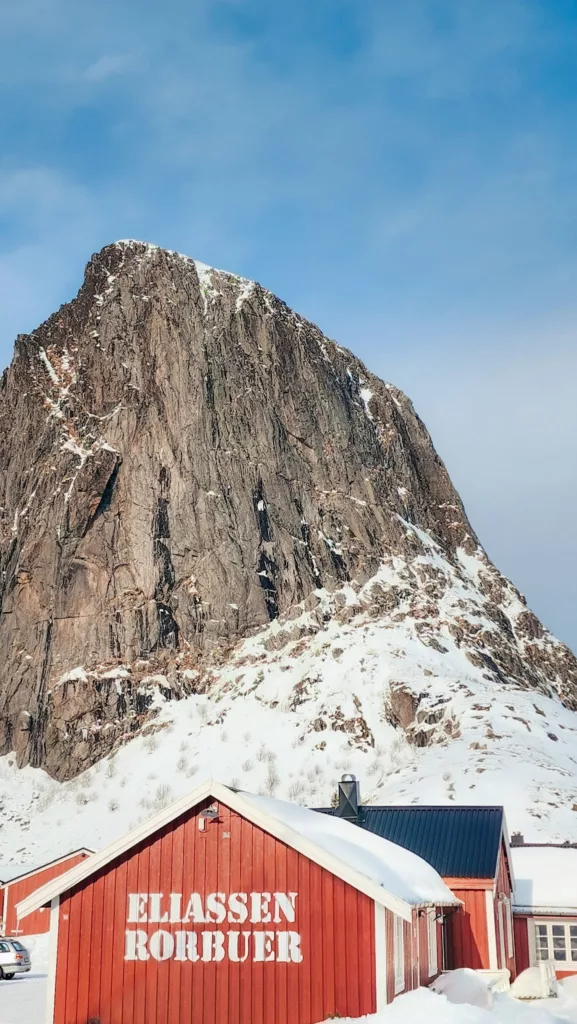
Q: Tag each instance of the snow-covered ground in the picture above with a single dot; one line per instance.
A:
(425, 1007)
(24, 1002)
(313, 697)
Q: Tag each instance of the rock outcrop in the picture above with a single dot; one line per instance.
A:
(185, 460)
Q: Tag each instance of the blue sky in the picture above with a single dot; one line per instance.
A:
(401, 173)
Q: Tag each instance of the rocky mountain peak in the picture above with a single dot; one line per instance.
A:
(186, 462)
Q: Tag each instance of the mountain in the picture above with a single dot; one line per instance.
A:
(226, 547)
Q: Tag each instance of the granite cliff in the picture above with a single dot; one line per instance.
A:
(186, 461)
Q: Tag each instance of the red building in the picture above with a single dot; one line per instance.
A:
(545, 905)
(18, 883)
(231, 909)
(469, 848)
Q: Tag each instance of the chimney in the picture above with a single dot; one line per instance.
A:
(517, 839)
(349, 799)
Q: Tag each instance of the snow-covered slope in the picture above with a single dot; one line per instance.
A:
(372, 680)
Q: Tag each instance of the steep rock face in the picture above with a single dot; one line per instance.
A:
(185, 460)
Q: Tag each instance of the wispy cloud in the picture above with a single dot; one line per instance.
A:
(109, 66)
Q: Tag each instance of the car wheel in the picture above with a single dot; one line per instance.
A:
(8, 977)
(1, 974)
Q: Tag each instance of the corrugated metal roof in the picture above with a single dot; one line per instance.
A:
(459, 842)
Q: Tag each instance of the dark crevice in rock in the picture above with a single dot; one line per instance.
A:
(261, 513)
(267, 570)
(106, 499)
(168, 631)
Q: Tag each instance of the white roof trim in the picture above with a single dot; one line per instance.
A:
(41, 867)
(236, 803)
(505, 839)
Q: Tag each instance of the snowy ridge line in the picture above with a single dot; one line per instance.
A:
(206, 276)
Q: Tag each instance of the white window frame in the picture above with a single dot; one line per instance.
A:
(399, 955)
(549, 923)
(509, 922)
(432, 943)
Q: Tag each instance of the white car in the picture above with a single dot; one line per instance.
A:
(14, 958)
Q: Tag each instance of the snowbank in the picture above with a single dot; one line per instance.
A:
(545, 878)
(37, 945)
(529, 984)
(425, 1007)
(464, 986)
(399, 871)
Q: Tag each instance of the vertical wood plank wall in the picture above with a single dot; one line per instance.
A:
(521, 943)
(467, 940)
(335, 922)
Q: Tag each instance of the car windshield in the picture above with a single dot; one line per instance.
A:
(18, 946)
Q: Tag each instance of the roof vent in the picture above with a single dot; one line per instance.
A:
(349, 799)
(517, 839)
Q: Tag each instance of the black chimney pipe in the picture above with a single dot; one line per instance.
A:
(349, 799)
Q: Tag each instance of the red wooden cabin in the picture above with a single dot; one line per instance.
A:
(231, 908)
(469, 848)
(545, 905)
(20, 882)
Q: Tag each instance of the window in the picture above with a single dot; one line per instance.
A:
(18, 946)
(559, 944)
(541, 942)
(556, 942)
(4, 947)
(399, 955)
(432, 930)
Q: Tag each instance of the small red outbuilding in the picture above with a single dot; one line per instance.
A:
(227, 908)
(18, 883)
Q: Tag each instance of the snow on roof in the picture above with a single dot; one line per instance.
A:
(388, 874)
(8, 872)
(545, 878)
(399, 871)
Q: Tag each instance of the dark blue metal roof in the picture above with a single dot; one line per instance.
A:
(459, 842)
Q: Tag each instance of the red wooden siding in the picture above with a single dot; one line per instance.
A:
(410, 932)
(423, 950)
(17, 890)
(390, 954)
(467, 940)
(522, 957)
(334, 921)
